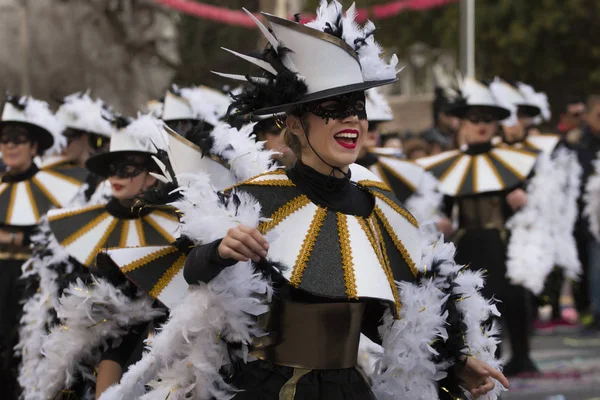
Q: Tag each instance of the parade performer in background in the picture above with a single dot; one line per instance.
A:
(66, 249)
(486, 182)
(295, 264)
(28, 129)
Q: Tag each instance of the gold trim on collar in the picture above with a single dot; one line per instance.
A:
(101, 242)
(85, 229)
(494, 170)
(3, 187)
(397, 176)
(168, 276)
(307, 246)
(139, 227)
(34, 207)
(158, 228)
(397, 242)
(347, 262)
(379, 185)
(396, 208)
(283, 212)
(75, 212)
(45, 191)
(507, 166)
(148, 259)
(124, 233)
(11, 204)
(64, 177)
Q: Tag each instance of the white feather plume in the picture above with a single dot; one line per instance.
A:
(90, 316)
(80, 111)
(591, 198)
(538, 99)
(530, 254)
(425, 204)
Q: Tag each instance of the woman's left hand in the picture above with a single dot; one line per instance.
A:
(517, 199)
(476, 377)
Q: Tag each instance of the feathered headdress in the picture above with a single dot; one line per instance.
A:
(79, 111)
(195, 103)
(40, 121)
(329, 56)
(378, 108)
(510, 98)
(473, 93)
(538, 99)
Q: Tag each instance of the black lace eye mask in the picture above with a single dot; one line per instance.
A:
(339, 107)
(126, 169)
(14, 139)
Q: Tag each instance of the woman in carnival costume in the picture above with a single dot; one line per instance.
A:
(486, 181)
(295, 264)
(67, 248)
(28, 129)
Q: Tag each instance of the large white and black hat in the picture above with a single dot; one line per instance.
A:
(329, 56)
(79, 111)
(510, 98)
(142, 136)
(538, 99)
(377, 106)
(195, 103)
(475, 94)
(36, 116)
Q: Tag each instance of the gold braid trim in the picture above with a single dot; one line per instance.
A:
(85, 229)
(34, 207)
(347, 263)
(377, 184)
(64, 177)
(396, 240)
(408, 216)
(139, 227)
(77, 211)
(11, 204)
(397, 175)
(101, 242)
(250, 181)
(167, 213)
(307, 246)
(46, 192)
(148, 259)
(381, 252)
(283, 212)
(158, 228)
(124, 233)
(167, 276)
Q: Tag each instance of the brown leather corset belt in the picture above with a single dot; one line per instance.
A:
(311, 336)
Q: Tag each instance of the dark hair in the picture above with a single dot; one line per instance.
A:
(388, 136)
(569, 100)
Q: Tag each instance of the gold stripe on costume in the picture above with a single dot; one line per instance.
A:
(380, 185)
(283, 212)
(139, 227)
(347, 263)
(507, 166)
(461, 184)
(307, 246)
(398, 176)
(451, 168)
(276, 172)
(524, 151)
(148, 259)
(34, 207)
(164, 214)
(381, 255)
(168, 276)
(85, 229)
(475, 161)
(382, 174)
(101, 242)
(46, 192)
(78, 211)
(11, 204)
(288, 390)
(435, 164)
(494, 170)
(3, 187)
(396, 240)
(64, 177)
(124, 233)
(396, 208)
(271, 182)
(170, 238)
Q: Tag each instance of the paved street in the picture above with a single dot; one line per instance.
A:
(571, 366)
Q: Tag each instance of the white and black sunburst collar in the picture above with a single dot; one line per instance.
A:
(85, 231)
(502, 167)
(402, 176)
(23, 203)
(335, 255)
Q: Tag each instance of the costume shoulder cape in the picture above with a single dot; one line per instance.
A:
(403, 177)
(501, 168)
(84, 231)
(335, 255)
(546, 143)
(24, 203)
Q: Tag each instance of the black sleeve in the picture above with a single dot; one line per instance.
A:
(204, 263)
(131, 348)
(372, 318)
(447, 205)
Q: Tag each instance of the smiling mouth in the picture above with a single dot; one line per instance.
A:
(118, 187)
(347, 138)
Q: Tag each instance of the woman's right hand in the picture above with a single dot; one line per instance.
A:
(444, 225)
(243, 243)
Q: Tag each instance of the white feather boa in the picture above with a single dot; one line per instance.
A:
(90, 315)
(48, 255)
(591, 197)
(425, 205)
(187, 355)
(405, 370)
(568, 178)
(530, 254)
